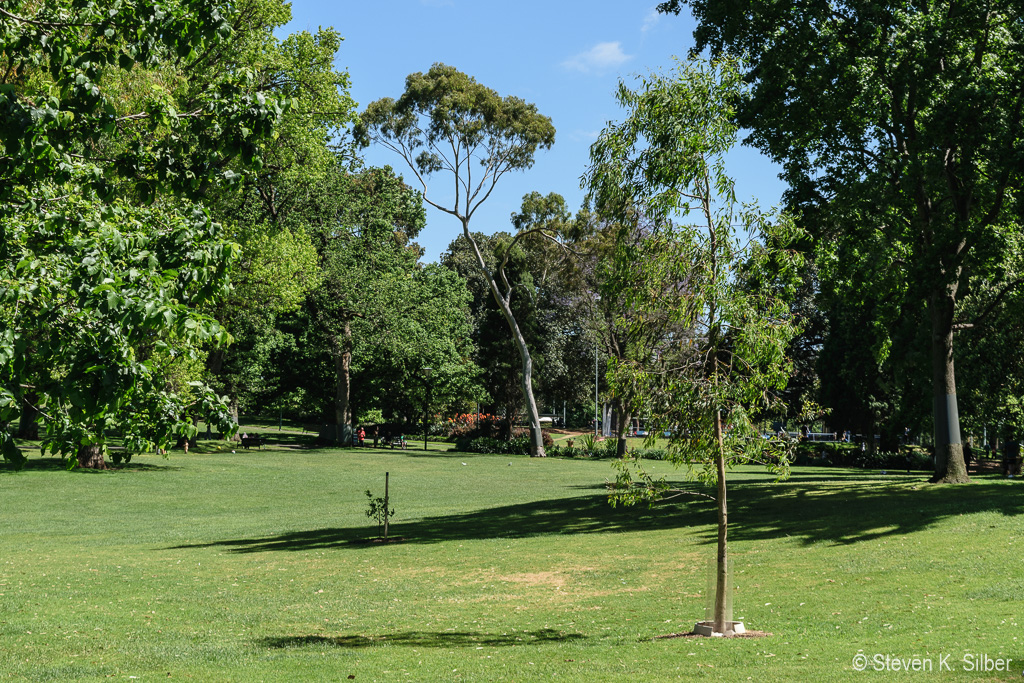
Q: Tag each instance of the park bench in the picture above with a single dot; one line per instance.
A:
(248, 441)
(394, 442)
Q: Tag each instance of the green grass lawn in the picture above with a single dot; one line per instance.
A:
(253, 566)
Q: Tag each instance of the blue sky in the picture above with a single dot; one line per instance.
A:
(564, 56)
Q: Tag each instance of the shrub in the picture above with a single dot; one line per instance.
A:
(905, 460)
(564, 451)
(650, 453)
(830, 454)
(474, 425)
(826, 453)
(519, 445)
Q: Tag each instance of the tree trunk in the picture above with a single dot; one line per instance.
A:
(722, 574)
(28, 427)
(532, 412)
(623, 422)
(91, 457)
(182, 441)
(342, 366)
(949, 451)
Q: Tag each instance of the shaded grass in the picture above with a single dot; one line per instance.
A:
(242, 567)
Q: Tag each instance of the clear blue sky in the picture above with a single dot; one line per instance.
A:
(565, 56)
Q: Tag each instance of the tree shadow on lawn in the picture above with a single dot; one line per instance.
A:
(60, 465)
(272, 438)
(848, 512)
(427, 639)
(840, 514)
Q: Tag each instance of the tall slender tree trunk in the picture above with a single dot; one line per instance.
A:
(722, 568)
(950, 467)
(532, 412)
(624, 420)
(342, 366)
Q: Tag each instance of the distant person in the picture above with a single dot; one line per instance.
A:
(362, 436)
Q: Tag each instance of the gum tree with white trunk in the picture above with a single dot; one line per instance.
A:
(445, 122)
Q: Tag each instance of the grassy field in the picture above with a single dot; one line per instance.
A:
(254, 566)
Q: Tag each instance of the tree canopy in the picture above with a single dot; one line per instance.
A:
(98, 114)
(899, 128)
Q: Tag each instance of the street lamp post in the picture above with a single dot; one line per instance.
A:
(597, 417)
(426, 405)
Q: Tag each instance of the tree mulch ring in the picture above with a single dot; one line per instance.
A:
(691, 634)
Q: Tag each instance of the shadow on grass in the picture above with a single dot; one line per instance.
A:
(583, 514)
(427, 639)
(59, 465)
(840, 513)
(848, 512)
(285, 439)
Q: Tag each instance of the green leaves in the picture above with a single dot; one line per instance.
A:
(54, 126)
(445, 110)
(724, 356)
(899, 128)
(118, 285)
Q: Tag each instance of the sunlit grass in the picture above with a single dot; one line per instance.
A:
(255, 566)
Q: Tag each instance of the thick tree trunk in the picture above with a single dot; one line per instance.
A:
(870, 436)
(28, 426)
(532, 412)
(722, 574)
(91, 457)
(342, 366)
(949, 451)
